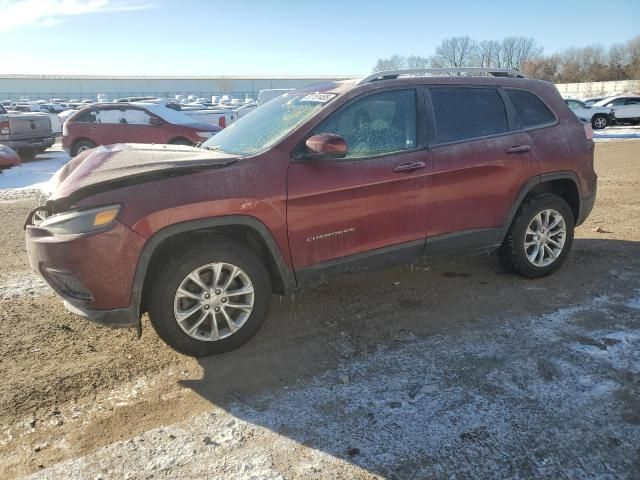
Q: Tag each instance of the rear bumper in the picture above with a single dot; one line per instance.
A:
(45, 142)
(586, 205)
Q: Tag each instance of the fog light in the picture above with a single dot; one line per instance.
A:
(69, 285)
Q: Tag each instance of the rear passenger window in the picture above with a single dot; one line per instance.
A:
(530, 109)
(465, 113)
(86, 117)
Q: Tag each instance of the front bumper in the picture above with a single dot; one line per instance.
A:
(30, 143)
(92, 273)
(114, 318)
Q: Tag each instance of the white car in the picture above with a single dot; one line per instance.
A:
(599, 117)
(626, 108)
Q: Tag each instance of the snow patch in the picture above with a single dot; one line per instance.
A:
(20, 182)
(22, 284)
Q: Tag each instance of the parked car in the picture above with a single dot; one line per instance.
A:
(326, 179)
(599, 117)
(270, 93)
(27, 133)
(106, 124)
(626, 108)
(8, 158)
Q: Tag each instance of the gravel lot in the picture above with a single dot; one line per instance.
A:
(455, 369)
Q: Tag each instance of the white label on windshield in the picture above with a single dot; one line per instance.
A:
(318, 97)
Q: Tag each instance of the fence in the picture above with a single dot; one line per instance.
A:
(597, 89)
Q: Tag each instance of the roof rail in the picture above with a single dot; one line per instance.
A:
(474, 71)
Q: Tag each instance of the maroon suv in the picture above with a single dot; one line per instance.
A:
(107, 124)
(330, 178)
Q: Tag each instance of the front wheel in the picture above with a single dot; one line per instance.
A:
(210, 299)
(598, 122)
(540, 237)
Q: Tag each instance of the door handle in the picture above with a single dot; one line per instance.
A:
(409, 167)
(519, 149)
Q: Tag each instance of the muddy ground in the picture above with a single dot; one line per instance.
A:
(456, 369)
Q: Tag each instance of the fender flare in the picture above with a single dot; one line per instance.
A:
(286, 274)
(526, 189)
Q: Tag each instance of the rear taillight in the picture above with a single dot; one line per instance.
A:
(588, 131)
(5, 128)
(222, 122)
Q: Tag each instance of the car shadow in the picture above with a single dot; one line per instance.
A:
(422, 369)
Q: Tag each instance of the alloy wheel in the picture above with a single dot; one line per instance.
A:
(214, 301)
(545, 238)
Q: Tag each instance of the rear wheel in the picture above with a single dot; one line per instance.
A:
(82, 146)
(210, 299)
(598, 122)
(540, 237)
(27, 154)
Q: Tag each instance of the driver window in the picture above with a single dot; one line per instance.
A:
(376, 124)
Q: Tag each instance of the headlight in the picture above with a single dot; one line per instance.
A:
(82, 221)
(205, 134)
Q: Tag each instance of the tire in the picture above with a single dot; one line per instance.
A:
(181, 141)
(82, 146)
(27, 154)
(515, 255)
(166, 302)
(599, 121)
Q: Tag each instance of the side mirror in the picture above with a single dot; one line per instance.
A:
(325, 145)
(155, 121)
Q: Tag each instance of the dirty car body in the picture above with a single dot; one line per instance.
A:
(350, 176)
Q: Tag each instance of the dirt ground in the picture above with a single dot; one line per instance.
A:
(456, 369)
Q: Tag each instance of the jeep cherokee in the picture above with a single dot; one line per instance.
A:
(328, 178)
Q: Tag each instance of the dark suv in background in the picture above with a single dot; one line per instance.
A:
(329, 178)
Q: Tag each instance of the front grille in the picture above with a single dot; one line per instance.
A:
(69, 285)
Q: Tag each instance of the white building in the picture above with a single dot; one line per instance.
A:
(35, 87)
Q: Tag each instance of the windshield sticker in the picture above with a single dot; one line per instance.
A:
(317, 97)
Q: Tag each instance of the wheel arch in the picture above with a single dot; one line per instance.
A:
(248, 230)
(564, 184)
(178, 139)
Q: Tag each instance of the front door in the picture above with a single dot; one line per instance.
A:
(372, 201)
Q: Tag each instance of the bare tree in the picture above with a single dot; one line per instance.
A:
(456, 51)
(416, 61)
(489, 53)
(633, 53)
(395, 62)
(617, 59)
(542, 68)
(517, 50)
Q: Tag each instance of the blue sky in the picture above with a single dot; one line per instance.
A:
(266, 37)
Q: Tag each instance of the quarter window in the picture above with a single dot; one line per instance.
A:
(376, 124)
(465, 113)
(530, 109)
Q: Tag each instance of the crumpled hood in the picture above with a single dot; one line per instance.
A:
(106, 168)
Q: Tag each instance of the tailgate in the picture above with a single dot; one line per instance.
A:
(30, 126)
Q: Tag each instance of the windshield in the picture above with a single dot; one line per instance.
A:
(268, 124)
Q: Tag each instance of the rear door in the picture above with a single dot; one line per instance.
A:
(375, 197)
(481, 158)
(627, 108)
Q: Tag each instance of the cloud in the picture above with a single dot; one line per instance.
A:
(46, 13)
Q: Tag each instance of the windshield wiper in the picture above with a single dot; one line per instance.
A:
(213, 148)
